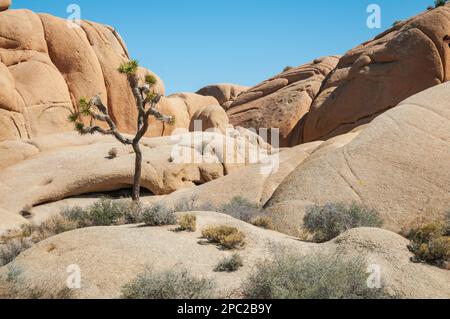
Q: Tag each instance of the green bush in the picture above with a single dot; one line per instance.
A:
(241, 208)
(106, 212)
(168, 285)
(158, 215)
(288, 276)
(430, 243)
(329, 221)
(230, 264)
(224, 236)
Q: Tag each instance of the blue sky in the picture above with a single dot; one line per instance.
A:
(194, 43)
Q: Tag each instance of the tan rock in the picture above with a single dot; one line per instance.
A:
(55, 167)
(379, 74)
(4, 5)
(47, 65)
(282, 101)
(223, 92)
(210, 117)
(397, 165)
(71, 52)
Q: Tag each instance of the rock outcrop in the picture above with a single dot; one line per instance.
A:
(111, 257)
(367, 81)
(398, 165)
(282, 101)
(55, 167)
(4, 5)
(223, 92)
(47, 64)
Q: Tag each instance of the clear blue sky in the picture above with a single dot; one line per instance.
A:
(194, 43)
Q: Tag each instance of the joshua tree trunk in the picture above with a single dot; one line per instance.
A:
(143, 96)
(137, 173)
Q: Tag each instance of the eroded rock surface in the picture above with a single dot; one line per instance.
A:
(47, 65)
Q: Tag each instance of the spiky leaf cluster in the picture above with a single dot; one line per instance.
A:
(129, 68)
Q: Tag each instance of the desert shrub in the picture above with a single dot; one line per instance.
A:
(168, 285)
(241, 208)
(288, 68)
(224, 236)
(112, 153)
(14, 286)
(263, 222)
(440, 3)
(190, 205)
(288, 276)
(76, 214)
(106, 212)
(329, 221)
(188, 222)
(230, 264)
(53, 226)
(430, 243)
(12, 248)
(158, 215)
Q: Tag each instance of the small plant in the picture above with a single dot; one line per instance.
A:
(288, 68)
(288, 276)
(168, 285)
(241, 208)
(112, 153)
(230, 264)
(329, 221)
(190, 205)
(224, 236)
(440, 3)
(158, 215)
(188, 223)
(53, 226)
(105, 212)
(14, 286)
(263, 222)
(430, 243)
(13, 248)
(397, 22)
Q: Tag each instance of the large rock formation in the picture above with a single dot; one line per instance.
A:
(368, 80)
(399, 164)
(47, 64)
(58, 166)
(282, 101)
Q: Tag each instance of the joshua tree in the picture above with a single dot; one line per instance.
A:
(146, 101)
